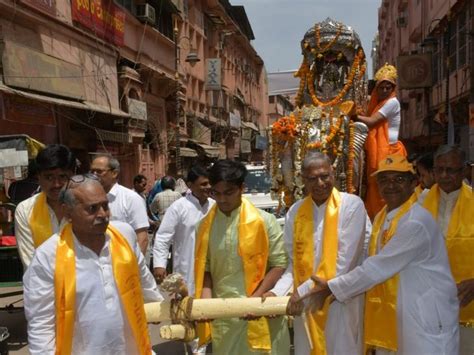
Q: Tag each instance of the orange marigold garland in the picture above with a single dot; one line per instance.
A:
(333, 131)
(286, 128)
(302, 73)
(317, 35)
(338, 98)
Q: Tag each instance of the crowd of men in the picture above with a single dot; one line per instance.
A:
(400, 284)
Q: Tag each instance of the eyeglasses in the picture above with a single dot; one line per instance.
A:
(78, 179)
(397, 180)
(449, 171)
(313, 179)
(99, 172)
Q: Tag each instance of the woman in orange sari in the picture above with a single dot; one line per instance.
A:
(383, 120)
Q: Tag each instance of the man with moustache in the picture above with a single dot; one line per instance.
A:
(410, 305)
(86, 285)
(40, 216)
(324, 235)
(451, 204)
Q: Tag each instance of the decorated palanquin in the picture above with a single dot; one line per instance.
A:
(332, 89)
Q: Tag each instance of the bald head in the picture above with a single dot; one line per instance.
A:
(86, 208)
(88, 185)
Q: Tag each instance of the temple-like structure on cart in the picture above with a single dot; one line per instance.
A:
(332, 89)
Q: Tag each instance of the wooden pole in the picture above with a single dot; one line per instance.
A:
(215, 308)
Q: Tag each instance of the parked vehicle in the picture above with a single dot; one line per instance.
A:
(257, 189)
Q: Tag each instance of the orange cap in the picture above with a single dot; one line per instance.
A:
(395, 162)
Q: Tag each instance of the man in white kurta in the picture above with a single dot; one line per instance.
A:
(451, 204)
(26, 246)
(100, 322)
(426, 300)
(344, 323)
(178, 228)
(125, 204)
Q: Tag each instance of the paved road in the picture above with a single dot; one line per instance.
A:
(14, 319)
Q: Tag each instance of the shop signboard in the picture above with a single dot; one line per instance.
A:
(103, 17)
(213, 75)
(414, 71)
(261, 142)
(26, 68)
(234, 119)
(245, 146)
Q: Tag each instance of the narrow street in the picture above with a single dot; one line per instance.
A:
(12, 316)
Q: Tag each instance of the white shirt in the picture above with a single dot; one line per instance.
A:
(101, 325)
(23, 234)
(427, 304)
(391, 111)
(344, 322)
(447, 201)
(178, 228)
(127, 206)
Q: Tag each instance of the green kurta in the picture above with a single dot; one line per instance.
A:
(229, 336)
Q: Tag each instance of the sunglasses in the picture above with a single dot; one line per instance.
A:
(78, 179)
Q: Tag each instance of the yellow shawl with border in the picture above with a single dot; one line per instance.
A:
(459, 240)
(254, 249)
(380, 324)
(303, 258)
(127, 279)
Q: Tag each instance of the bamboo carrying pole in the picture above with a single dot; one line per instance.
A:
(175, 332)
(215, 308)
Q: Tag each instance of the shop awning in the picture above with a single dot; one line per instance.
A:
(112, 136)
(210, 151)
(187, 152)
(85, 105)
(250, 125)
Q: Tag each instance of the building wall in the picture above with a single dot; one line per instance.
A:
(243, 81)
(49, 113)
(408, 27)
(141, 67)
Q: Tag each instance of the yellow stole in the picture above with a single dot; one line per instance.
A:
(380, 328)
(418, 190)
(459, 240)
(253, 249)
(40, 223)
(303, 258)
(127, 279)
